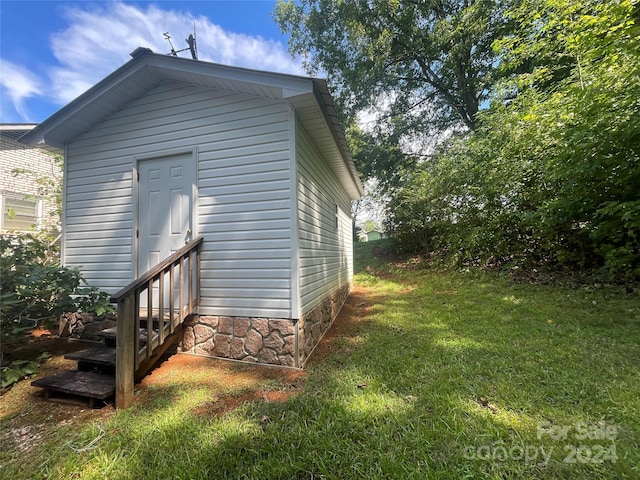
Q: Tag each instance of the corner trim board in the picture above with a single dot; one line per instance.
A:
(293, 187)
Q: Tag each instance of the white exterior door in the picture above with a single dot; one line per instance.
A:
(165, 208)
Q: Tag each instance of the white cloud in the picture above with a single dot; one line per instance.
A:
(99, 39)
(19, 84)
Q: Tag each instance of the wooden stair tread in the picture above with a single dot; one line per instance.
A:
(95, 378)
(111, 334)
(99, 355)
(75, 382)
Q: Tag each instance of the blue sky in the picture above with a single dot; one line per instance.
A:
(52, 51)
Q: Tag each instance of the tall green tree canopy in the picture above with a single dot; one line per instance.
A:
(553, 173)
(539, 100)
(428, 62)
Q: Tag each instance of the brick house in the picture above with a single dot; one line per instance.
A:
(21, 204)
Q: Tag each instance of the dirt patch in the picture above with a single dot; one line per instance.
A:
(32, 344)
(31, 426)
(218, 372)
(227, 376)
(228, 403)
(347, 326)
(224, 377)
(25, 416)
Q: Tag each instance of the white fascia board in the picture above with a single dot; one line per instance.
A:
(291, 85)
(17, 127)
(49, 131)
(329, 115)
(42, 133)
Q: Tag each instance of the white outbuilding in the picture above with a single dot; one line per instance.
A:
(166, 150)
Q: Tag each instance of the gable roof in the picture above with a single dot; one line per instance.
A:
(309, 97)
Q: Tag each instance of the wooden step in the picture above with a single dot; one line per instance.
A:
(90, 385)
(101, 358)
(110, 335)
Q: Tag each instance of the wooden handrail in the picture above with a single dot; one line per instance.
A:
(145, 277)
(133, 359)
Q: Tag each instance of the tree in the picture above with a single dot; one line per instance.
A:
(426, 63)
(552, 172)
(379, 157)
(371, 225)
(49, 187)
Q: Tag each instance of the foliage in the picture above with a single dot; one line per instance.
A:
(552, 173)
(427, 62)
(370, 225)
(417, 70)
(48, 187)
(35, 289)
(538, 101)
(379, 156)
(369, 208)
(409, 389)
(18, 369)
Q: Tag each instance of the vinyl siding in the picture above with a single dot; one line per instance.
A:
(325, 253)
(243, 194)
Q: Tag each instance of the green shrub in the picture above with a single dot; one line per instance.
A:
(551, 175)
(35, 290)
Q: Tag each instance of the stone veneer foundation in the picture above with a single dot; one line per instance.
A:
(273, 341)
(85, 326)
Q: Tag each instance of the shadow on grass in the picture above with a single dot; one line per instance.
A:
(425, 374)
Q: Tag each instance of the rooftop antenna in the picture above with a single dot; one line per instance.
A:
(167, 37)
(191, 42)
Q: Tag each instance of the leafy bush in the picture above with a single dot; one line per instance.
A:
(35, 290)
(552, 173)
(17, 369)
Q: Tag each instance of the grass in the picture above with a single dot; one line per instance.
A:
(435, 374)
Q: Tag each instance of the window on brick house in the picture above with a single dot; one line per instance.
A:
(19, 212)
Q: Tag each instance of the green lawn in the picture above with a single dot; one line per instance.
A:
(447, 375)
